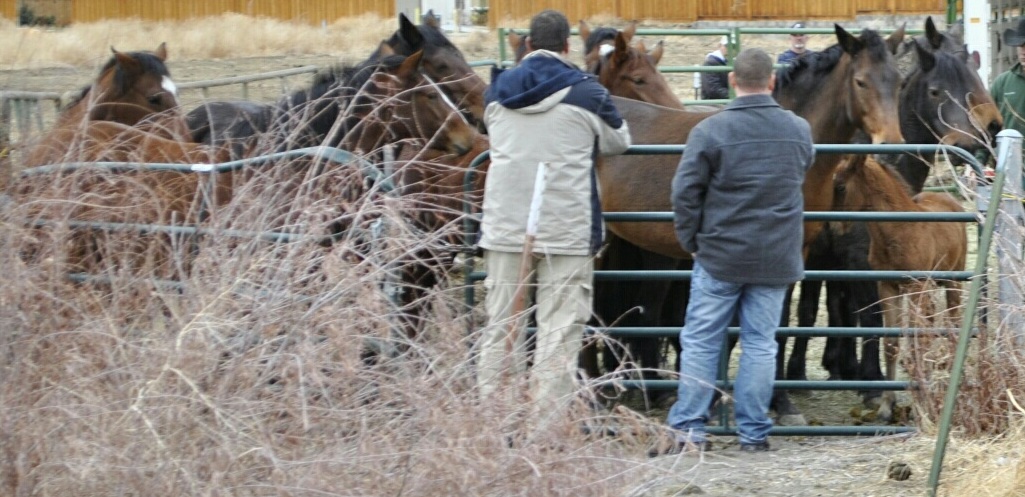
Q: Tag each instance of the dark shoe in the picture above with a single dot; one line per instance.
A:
(755, 447)
(681, 448)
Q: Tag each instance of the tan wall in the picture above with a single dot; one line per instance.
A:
(9, 9)
(311, 11)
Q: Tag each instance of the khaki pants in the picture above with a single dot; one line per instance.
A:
(563, 290)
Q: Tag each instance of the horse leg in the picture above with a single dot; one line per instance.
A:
(870, 315)
(787, 413)
(889, 293)
(807, 311)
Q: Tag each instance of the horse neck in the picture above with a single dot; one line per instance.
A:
(884, 192)
(825, 104)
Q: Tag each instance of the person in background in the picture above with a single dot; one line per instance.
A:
(738, 209)
(1008, 88)
(714, 85)
(545, 111)
(798, 46)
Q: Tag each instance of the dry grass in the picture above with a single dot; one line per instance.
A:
(228, 35)
(253, 376)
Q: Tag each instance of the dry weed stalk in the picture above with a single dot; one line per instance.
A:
(273, 366)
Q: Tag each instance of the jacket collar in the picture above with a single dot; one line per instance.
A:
(752, 101)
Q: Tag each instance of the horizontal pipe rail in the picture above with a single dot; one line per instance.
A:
(249, 78)
(639, 217)
(821, 431)
(782, 384)
(809, 275)
(784, 331)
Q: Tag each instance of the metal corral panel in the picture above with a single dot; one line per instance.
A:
(310, 11)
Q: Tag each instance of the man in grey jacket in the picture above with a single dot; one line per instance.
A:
(548, 111)
(738, 206)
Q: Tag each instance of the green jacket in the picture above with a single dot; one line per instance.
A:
(1008, 91)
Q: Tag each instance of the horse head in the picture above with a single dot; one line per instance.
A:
(945, 101)
(631, 72)
(594, 39)
(405, 102)
(873, 85)
(443, 63)
(131, 87)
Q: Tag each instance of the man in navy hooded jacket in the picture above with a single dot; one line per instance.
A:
(548, 111)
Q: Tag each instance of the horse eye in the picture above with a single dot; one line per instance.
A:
(861, 83)
(934, 93)
(639, 81)
(155, 100)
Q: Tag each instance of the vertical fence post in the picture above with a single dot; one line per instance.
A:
(971, 304)
(1008, 241)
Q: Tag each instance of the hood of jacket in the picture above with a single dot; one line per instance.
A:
(527, 87)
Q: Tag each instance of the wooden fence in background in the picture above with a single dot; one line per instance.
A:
(500, 12)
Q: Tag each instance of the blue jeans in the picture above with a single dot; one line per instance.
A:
(712, 306)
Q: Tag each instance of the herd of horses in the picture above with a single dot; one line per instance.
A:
(417, 104)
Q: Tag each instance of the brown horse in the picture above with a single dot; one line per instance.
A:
(632, 72)
(866, 185)
(133, 100)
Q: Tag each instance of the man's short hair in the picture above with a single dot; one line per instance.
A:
(752, 69)
(549, 30)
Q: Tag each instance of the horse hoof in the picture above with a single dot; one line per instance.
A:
(792, 420)
(872, 402)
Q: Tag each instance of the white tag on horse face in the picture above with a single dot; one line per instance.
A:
(606, 49)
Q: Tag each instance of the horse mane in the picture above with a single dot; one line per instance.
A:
(597, 36)
(819, 63)
(341, 81)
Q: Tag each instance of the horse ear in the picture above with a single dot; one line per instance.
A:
(384, 49)
(585, 30)
(932, 34)
(514, 39)
(975, 60)
(656, 54)
(431, 20)
(161, 51)
(410, 33)
(410, 66)
(926, 59)
(956, 30)
(126, 62)
(622, 51)
(629, 31)
(847, 42)
(895, 39)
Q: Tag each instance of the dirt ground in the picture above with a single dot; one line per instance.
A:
(802, 466)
